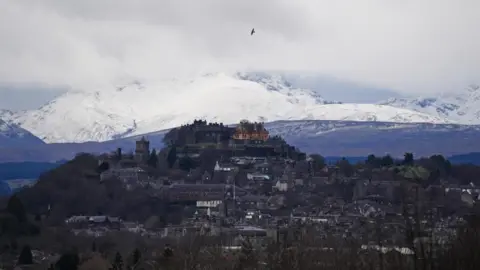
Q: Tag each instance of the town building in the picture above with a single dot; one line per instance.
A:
(142, 150)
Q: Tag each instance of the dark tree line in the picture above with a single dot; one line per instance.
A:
(15, 221)
(386, 161)
(378, 162)
(302, 252)
(438, 166)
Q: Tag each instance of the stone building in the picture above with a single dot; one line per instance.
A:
(251, 132)
(142, 150)
(128, 176)
(201, 132)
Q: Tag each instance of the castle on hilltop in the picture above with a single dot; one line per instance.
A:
(250, 131)
(221, 136)
(201, 132)
(247, 138)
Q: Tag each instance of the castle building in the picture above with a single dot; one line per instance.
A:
(250, 131)
(201, 132)
(142, 150)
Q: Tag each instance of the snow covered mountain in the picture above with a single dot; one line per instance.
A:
(6, 115)
(12, 135)
(135, 108)
(462, 107)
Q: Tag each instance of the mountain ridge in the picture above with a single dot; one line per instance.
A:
(462, 107)
(132, 109)
(13, 135)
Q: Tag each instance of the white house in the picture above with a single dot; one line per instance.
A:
(281, 185)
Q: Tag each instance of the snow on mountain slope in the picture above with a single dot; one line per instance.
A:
(6, 115)
(116, 112)
(315, 128)
(259, 111)
(12, 135)
(462, 107)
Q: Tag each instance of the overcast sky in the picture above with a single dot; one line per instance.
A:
(411, 46)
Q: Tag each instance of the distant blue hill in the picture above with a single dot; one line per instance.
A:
(469, 158)
(5, 189)
(472, 158)
(22, 170)
(25, 170)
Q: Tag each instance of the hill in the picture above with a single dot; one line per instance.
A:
(472, 158)
(14, 175)
(64, 189)
(330, 138)
(25, 170)
(363, 138)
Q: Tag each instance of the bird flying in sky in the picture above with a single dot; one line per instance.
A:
(253, 32)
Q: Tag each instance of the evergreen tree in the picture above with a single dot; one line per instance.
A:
(318, 161)
(136, 257)
(441, 163)
(16, 208)
(186, 164)
(94, 246)
(153, 159)
(68, 261)
(118, 262)
(345, 167)
(103, 167)
(172, 156)
(378, 162)
(247, 258)
(371, 161)
(408, 159)
(167, 252)
(25, 256)
(167, 256)
(387, 161)
(118, 154)
(14, 245)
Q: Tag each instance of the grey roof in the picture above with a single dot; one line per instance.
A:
(198, 186)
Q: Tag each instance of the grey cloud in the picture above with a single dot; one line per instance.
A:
(410, 46)
(26, 97)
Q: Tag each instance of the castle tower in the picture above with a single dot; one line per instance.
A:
(142, 150)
